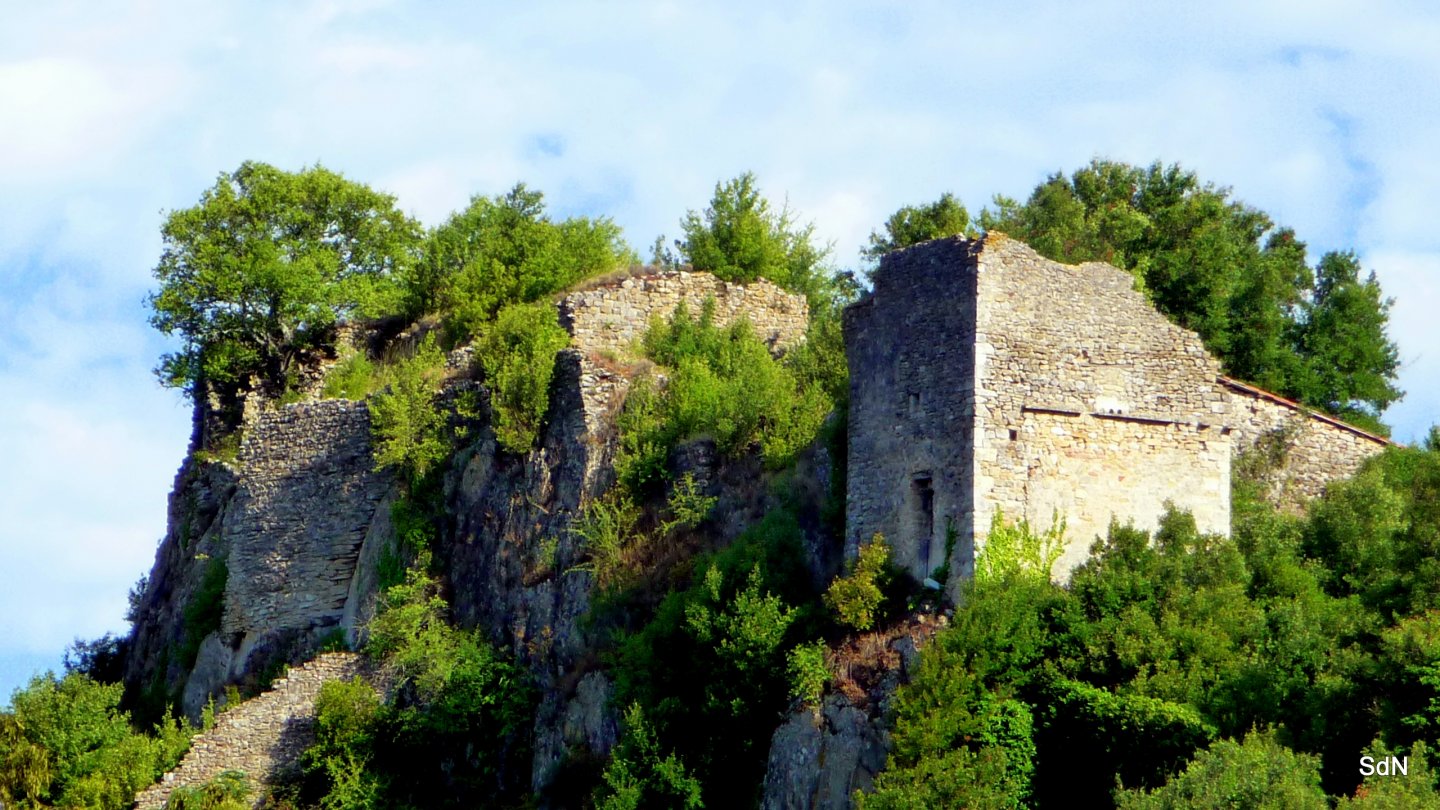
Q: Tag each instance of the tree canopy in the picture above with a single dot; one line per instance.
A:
(266, 263)
(740, 238)
(505, 250)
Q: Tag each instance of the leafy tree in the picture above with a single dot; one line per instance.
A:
(1258, 773)
(740, 238)
(638, 776)
(408, 427)
(67, 743)
(259, 271)
(504, 250)
(913, 224)
(1352, 362)
(856, 597)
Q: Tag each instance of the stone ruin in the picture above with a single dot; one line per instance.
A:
(987, 379)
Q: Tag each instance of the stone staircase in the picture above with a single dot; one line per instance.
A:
(261, 736)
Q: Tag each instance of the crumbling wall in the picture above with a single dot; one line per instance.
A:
(306, 497)
(264, 736)
(1090, 403)
(1295, 450)
(911, 351)
(611, 317)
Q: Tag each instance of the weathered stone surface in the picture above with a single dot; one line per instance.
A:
(612, 316)
(987, 378)
(819, 759)
(260, 737)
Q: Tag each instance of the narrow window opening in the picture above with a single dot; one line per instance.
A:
(914, 404)
(923, 491)
(1014, 434)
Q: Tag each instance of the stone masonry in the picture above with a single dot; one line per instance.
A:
(261, 736)
(987, 379)
(308, 492)
(612, 316)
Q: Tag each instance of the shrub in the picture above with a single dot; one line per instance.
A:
(605, 528)
(856, 597)
(1259, 773)
(354, 377)
(228, 791)
(639, 776)
(687, 505)
(1014, 549)
(409, 429)
(517, 355)
(809, 676)
(721, 383)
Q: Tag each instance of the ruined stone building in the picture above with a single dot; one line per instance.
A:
(985, 378)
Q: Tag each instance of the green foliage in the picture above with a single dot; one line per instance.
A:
(606, 529)
(688, 507)
(1223, 269)
(959, 777)
(66, 742)
(1414, 791)
(354, 377)
(639, 776)
(711, 668)
(1013, 549)
(460, 712)
(740, 238)
(205, 608)
(266, 263)
(517, 355)
(1258, 773)
(809, 675)
(228, 791)
(913, 224)
(856, 597)
(409, 429)
(504, 250)
(722, 383)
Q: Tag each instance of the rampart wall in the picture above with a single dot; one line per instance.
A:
(611, 317)
(306, 496)
(261, 736)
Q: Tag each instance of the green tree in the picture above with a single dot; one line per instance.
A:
(741, 238)
(259, 271)
(1258, 773)
(913, 224)
(504, 250)
(409, 430)
(1351, 360)
(639, 776)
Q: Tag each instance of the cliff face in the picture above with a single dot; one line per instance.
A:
(272, 556)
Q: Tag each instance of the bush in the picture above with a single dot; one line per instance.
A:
(354, 377)
(228, 791)
(605, 529)
(1259, 773)
(517, 355)
(639, 776)
(809, 676)
(409, 429)
(1014, 549)
(721, 383)
(856, 597)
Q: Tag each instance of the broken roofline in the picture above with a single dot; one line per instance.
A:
(1246, 388)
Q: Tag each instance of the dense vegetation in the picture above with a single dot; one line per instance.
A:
(1174, 670)
(1272, 659)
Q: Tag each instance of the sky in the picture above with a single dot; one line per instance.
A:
(1323, 114)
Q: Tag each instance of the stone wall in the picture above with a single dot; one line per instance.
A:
(911, 352)
(1306, 450)
(263, 736)
(611, 317)
(1090, 403)
(307, 495)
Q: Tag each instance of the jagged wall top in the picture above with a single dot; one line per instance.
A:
(611, 316)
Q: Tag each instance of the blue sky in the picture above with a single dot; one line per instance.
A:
(1324, 114)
